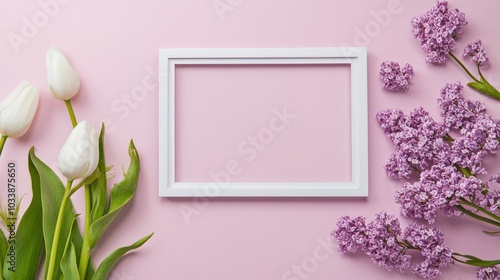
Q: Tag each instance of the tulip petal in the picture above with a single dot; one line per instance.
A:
(18, 110)
(80, 154)
(63, 80)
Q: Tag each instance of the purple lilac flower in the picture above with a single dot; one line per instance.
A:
(395, 78)
(378, 240)
(430, 242)
(477, 52)
(423, 237)
(479, 139)
(468, 153)
(439, 188)
(490, 199)
(425, 270)
(391, 121)
(350, 234)
(382, 244)
(457, 111)
(437, 31)
(398, 166)
(418, 141)
(485, 131)
(488, 273)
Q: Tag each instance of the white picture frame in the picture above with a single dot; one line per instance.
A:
(355, 57)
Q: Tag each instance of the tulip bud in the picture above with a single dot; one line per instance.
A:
(18, 109)
(80, 154)
(63, 81)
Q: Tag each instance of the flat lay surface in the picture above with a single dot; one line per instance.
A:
(114, 47)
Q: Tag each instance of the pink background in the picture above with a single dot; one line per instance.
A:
(114, 46)
(232, 113)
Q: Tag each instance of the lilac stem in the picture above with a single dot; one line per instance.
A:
(463, 67)
(476, 216)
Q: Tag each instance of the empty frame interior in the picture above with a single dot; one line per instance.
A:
(263, 122)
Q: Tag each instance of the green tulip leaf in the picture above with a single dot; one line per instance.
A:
(52, 192)
(3, 251)
(29, 235)
(108, 263)
(120, 195)
(68, 264)
(69, 267)
(77, 240)
(98, 193)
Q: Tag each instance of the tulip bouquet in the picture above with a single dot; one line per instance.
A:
(442, 162)
(49, 228)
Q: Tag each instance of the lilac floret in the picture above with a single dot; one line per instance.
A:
(488, 273)
(394, 77)
(457, 111)
(479, 139)
(382, 245)
(440, 188)
(430, 242)
(418, 141)
(490, 198)
(477, 53)
(437, 31)
(350, 234)
(379, 240)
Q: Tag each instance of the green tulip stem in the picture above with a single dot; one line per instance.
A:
(85, 256)
(57, 232)
(463, 67)
(71, 112)
(2, 143)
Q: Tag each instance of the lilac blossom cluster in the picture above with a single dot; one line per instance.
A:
(379, 240)
(442, 158)
(488, 273)
(429, 241)
(437, 31)
(418, 141)
(479, 132)
(491, 200)
(457, 111)
(440, 188)
(394, 77)
(477, 52)
(446, 166)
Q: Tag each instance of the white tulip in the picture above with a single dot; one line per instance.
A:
(63, 80)
(80, 154)
(18, 109)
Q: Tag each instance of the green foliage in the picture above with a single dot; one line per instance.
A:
(29, 236)
(3, 251)
(98, 191)
(52, 194)
(69, 266)
(49, 224)
(107, 264)
(475, 261)
(485, 87)
(38, 225)
(120, 195)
